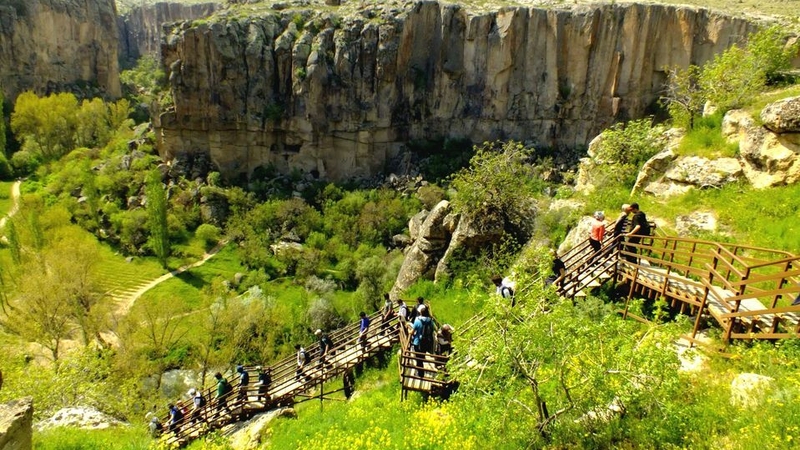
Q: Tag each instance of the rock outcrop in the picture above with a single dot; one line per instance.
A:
(48, 45)
(140, 28)
(338, 96)
(16, 420)
(79, 417)
(770, 154)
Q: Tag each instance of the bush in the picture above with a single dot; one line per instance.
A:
(208, 233)
(624, 148)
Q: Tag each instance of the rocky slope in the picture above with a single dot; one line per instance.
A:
(339, 96)
(48, 45)
(140, 28)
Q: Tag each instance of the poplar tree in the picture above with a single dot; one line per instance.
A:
(157, 217)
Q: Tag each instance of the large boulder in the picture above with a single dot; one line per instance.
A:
(782, 116)
(79, 417)
(695, 222)
(768, 158)
(577, 235)
(704, 172)
(430, 241)
(749, 390)
(653, 170)
(251, 434)
(16, 420)
(472, 234)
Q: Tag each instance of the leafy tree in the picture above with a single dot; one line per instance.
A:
(93, 127)
(48, 121)
(683, 96)
(5, 167)
(157, 217)
(623, 149)
(497, 183)
(732, 77)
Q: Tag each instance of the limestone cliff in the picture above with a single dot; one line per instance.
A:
(140, 27)
(338, 96)
(47, 45)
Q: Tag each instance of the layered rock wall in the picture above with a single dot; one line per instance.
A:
(339, 97)
(47, 45)
(140, 29)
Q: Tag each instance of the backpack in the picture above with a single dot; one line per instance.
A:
(426, 339)
(328, 342)
(306, 357)
(507, 292)
(226, 387)
(201, 401)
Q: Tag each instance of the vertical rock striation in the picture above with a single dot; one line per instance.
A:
(339, 96)
(47, 45)
(140, 29)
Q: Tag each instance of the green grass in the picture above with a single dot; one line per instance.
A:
(764, 218)
(120, 438)
(754, 109)
(5, 197)
(706, 140)
(119, 275)
(184, 290)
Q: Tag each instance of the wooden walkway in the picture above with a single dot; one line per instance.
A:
(747, 290)
(287, 384)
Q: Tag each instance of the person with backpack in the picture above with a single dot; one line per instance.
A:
(504, 289)
(640, 227)
(363, 329)
(155, 427)
(422, 340)
(264, 382)
(244, 380)
(325, 347)
(175, 418)
(303, 359)
(223, 393)
(402, 311)
(199, 402)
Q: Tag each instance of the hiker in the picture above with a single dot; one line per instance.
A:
(622, 221)
(504, 288)
(558, 269)
(199, 402)
(363, 329)
(417, 309)
(444, 340)
(175, 418)
(386, 313)
(422, 339)
(155, 427)
(402, 311)
(223, 389)
(596, 234)
(325, 347)
(244, 380)
(639, 227)
(303, 358)
(264, 382)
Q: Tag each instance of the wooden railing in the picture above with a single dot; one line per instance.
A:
(286, 383)
(421, 371)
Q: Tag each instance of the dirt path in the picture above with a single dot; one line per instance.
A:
(124, 304)
(15, 205)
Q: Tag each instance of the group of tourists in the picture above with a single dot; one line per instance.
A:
(198, 409)
(630, 226)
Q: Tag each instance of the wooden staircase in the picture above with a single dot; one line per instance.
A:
(244, 401)
(747, 290)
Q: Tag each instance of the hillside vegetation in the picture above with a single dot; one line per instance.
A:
(100, 206)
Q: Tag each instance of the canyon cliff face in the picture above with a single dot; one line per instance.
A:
(140, 28)
(338, 97)
(47, 45)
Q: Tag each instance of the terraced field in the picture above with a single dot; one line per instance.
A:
(121, 278)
